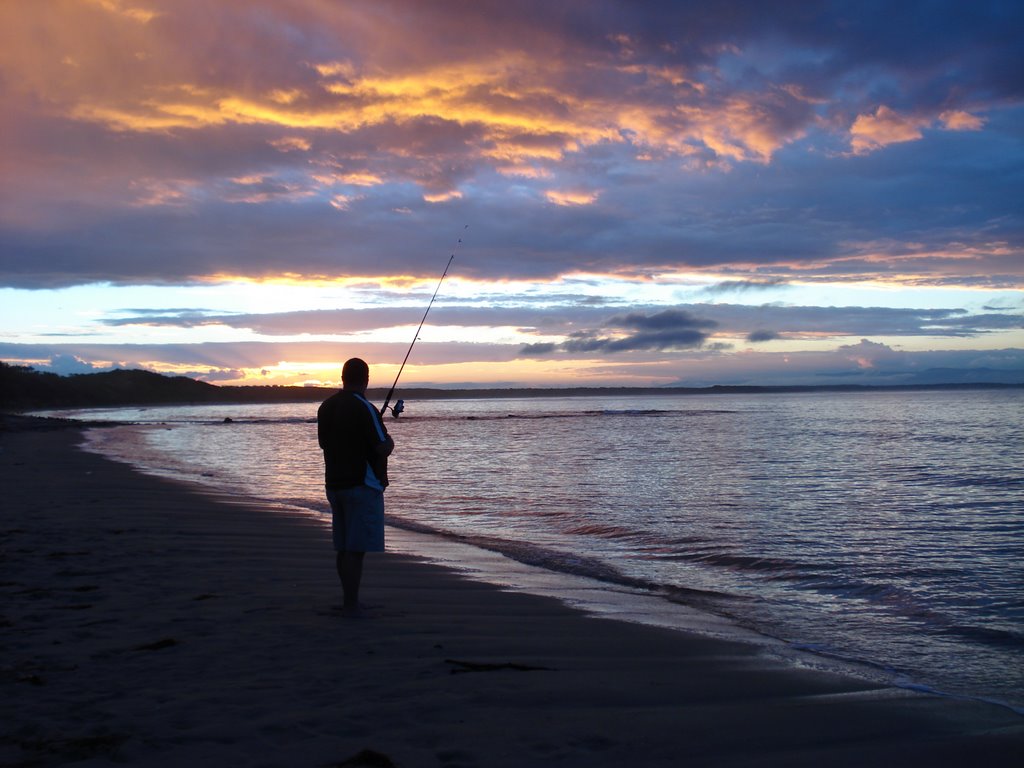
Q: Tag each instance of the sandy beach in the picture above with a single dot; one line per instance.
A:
(145, 623)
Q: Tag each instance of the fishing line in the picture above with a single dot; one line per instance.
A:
(399, 406)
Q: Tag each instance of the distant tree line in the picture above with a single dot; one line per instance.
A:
(23, 388)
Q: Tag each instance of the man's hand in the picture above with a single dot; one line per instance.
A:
(383, 450)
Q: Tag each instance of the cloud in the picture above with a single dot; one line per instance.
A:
(874, 131)
(533, 350)
(252, 355)
(666, 320)
(574, 141)
(566, 315)
(744, 286)
(443, 197)
(141, 15)
(65, 364)
(959, 120)
(291, 144)
(571, 197)
(870, 354)
(884, 127)
(213, 375)
(665, 331)
(867, 362)
(762, 335)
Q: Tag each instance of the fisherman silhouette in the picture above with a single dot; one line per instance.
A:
(356, 446)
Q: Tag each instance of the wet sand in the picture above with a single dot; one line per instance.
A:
(146, 623)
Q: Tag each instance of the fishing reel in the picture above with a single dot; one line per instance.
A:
(396, 409)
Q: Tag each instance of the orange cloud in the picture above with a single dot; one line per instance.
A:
(291, 144)
(141, 15)
(442, 197)
(571, 197)
(740, 128)
(161, 192)
(525, 171)
(958, 120)
(886, 126)
(341, 202)
(676, 76)
(355, 178)
(519, 108)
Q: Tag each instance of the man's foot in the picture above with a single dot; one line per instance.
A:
(358, 611)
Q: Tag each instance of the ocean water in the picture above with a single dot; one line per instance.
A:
(885, 529)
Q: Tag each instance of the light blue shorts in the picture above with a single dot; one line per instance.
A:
(357, 518)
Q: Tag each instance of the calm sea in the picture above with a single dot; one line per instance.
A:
(880, 528)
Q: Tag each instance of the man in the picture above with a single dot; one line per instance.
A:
(356, 447)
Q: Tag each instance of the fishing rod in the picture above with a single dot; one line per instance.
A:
(399, 406)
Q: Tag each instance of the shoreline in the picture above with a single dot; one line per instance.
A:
(495, 566)
(492, 564)
(488, 562)
(149, 623)
(608, 600)
(502, 564)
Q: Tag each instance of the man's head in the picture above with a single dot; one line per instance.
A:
(355, 375)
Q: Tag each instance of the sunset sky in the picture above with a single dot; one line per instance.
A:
(636, 193)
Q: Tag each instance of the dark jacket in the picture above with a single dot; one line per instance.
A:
(354, 441)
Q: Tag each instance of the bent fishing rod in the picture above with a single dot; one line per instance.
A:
(400, 405)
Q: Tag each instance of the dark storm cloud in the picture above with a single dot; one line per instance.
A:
(744, 286)
(762, 335)
(665, 331)
(661, 341)
(666, 320)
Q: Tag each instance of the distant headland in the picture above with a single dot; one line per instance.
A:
(25, 389)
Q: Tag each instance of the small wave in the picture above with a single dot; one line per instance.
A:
(627, 412)
(824, 580)
(946, 479)
(575, 415)
(772, 567)
(909, 606)
(582, 414)
(751, 563)
(242, 421)
(851, 589)
(604, 531)
(228, 421)
(560, 561)
(1000, 638)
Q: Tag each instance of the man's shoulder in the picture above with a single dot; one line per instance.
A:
(332, 398)
(343, 400)
(333, 402)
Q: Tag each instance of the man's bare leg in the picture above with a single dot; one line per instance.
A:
(350, 571)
